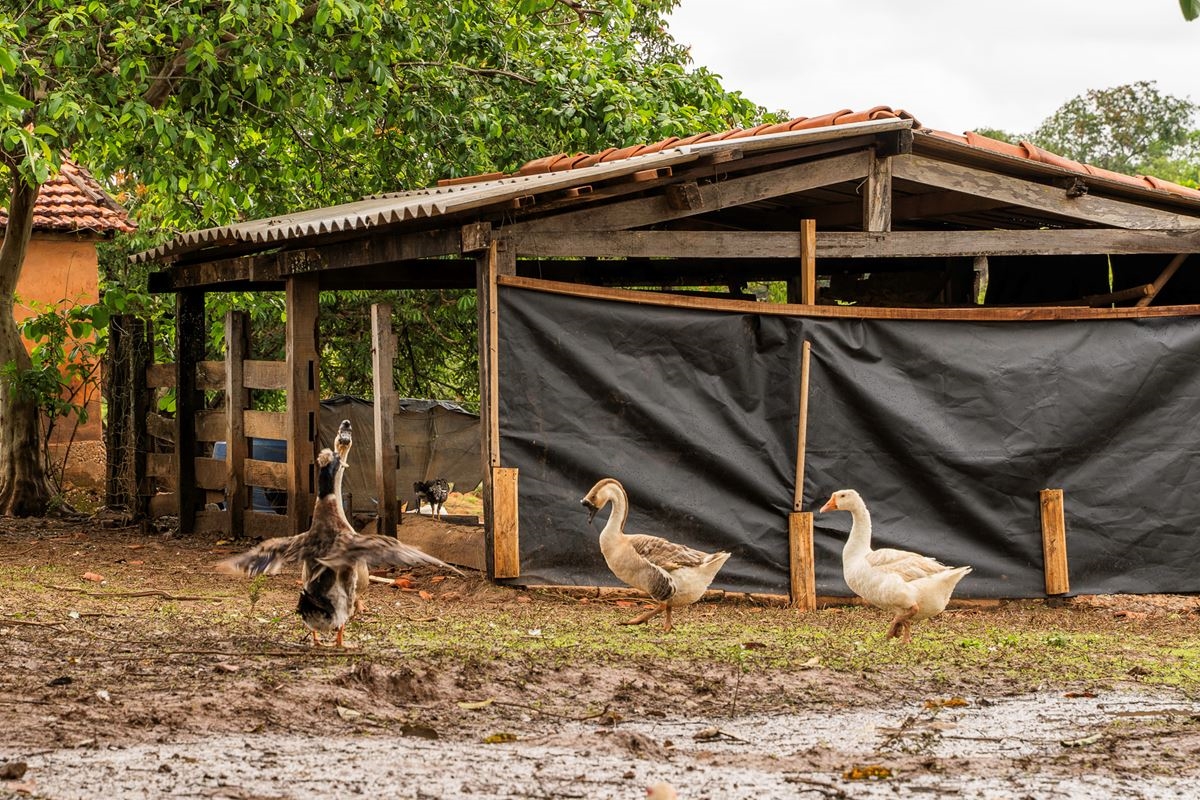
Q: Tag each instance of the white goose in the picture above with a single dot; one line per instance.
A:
(912, 586)
(672, 574)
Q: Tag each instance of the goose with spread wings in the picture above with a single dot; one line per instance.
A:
(333, 558)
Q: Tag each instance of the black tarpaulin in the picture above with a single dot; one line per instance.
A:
(948, 430)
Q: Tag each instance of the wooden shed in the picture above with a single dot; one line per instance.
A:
(890, 239)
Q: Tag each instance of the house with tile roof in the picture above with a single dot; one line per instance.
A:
(72, 214)
(996, 345)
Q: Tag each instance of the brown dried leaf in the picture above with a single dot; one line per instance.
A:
(869, 772)
(93, 576)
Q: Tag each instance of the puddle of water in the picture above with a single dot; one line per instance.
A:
(1010, 742)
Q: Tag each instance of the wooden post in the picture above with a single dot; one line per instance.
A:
(494, 261)
(803, 586)
(803, 589)
(877, 195)
(237, 400)
(303, 397)
(387, 405)
(506, 544)
(189, 350)
(804, 288)
(1054, 542)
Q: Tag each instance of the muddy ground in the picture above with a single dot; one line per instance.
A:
(129, 668)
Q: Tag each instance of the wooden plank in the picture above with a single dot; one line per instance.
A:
(209, 474)
(237, 399)
(164, 504)
(266, 424)
(385, 407)
(160, 376)
(265, 375)
(160, 465)
(210, 375)
(189, 399)
(1052, 199)
(160, 427)
(717, 194)
(210, 426)
(1162, 279)
(258, 524)
(749, 245)
(802, 563)
(212, 522)
(877, 195)
(964, 314)
(506, 539)
(267, 474)
(303, 398)
(1054, 542)
(271, 268)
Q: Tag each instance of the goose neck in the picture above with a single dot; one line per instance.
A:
(616, 520)
(860, 532)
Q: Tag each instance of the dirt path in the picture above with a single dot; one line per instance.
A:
(128, 668)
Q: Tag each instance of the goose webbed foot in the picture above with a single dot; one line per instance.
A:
(648, 615)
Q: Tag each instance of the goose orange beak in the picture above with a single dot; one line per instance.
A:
(831, 504)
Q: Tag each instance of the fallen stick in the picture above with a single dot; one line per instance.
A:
(142, 593)
(31, 622)
(551, 713)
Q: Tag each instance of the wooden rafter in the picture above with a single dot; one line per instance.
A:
(1052, 199)
(713, 196)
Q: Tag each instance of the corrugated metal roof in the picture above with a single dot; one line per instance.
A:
(391, 209)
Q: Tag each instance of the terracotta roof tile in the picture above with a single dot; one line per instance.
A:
(74, 201)
(846, 116)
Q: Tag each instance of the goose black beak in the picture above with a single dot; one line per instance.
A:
(591, 507)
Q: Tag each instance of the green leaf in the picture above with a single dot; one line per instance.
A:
(1190, 8)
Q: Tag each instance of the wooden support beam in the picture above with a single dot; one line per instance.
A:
(237, 400)
(745, 245)
(877, 195)
(1052, 199)
(386, 406)
(1162, 279)
(506, 558)
(1054, 542)
(303, 398)
(802, 589)
(658, 208)
(487, 266)
(189, 337)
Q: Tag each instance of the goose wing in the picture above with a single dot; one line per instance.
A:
(378, 551)
(666, 554)
(269, 557)
(908, 565)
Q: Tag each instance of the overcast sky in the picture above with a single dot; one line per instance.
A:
(956, 65)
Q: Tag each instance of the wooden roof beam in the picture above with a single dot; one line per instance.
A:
(1052, 199)
(713, 196)
(896, 244)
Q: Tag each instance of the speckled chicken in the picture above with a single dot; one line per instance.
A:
(333, 558)
(434, 493)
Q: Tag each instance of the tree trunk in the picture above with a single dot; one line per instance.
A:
(25, 489)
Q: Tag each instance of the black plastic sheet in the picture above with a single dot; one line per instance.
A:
(948, 430)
